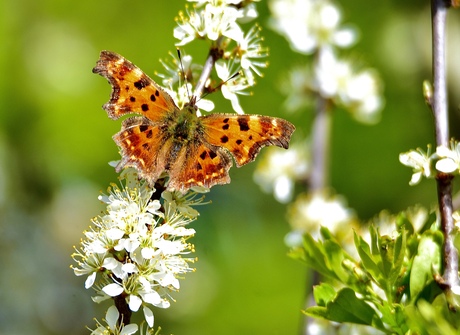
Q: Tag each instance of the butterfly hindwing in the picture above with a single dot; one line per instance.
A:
(245, 135)
(132, 90)
(142, 146)
(200, 164)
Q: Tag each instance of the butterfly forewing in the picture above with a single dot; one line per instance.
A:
(132, 90)
(245, 135)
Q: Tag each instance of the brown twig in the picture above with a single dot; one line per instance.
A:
(123, 309)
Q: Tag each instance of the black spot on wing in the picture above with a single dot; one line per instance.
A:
(212, 154)
(243, 123)
(141, 83)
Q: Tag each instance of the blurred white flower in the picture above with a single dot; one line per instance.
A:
(309, 25)
(420, 162)
(277, 171)
(311, 211)
(357, 91)
(298, 88)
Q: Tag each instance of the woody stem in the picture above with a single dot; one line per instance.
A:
(123, 309)
(444, 181)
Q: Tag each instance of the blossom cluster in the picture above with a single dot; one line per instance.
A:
(309, 25)
(136, 250)
(237, 54)
(427, 164)
(314, 27)
(310, 211)
(278, 170)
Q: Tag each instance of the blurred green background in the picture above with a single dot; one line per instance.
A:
(55, 143)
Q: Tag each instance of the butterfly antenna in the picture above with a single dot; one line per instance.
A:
(183, 71)
(221, 84)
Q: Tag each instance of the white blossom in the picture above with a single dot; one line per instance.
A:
(233, 87)
(213, 21)
(420, 162)
(135, 248)
(249, 52)
(112, 328)
(448, 158)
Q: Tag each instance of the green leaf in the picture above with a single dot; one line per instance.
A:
(398, 256)
(323, 294)
(316, 257)
(324, 257)
(346, 307)
(429, 319)
(366, 257)
(386, 252)
(428, 258)
(393, 315)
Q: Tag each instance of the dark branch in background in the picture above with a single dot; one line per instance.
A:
(320, 146)
(444, 181)
(319, 177)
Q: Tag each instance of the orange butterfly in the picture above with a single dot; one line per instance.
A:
(193, 150)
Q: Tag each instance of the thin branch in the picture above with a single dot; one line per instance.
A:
(213, 56)
(319, 178)
(439, 102)
(444, 181)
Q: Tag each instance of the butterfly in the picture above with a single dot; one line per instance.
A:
(193, 150)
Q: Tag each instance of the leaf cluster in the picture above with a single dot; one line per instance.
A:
(389, 285)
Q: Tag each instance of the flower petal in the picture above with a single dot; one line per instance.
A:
(113, 289)
(149, 317)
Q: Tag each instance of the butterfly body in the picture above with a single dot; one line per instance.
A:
(193, 150)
